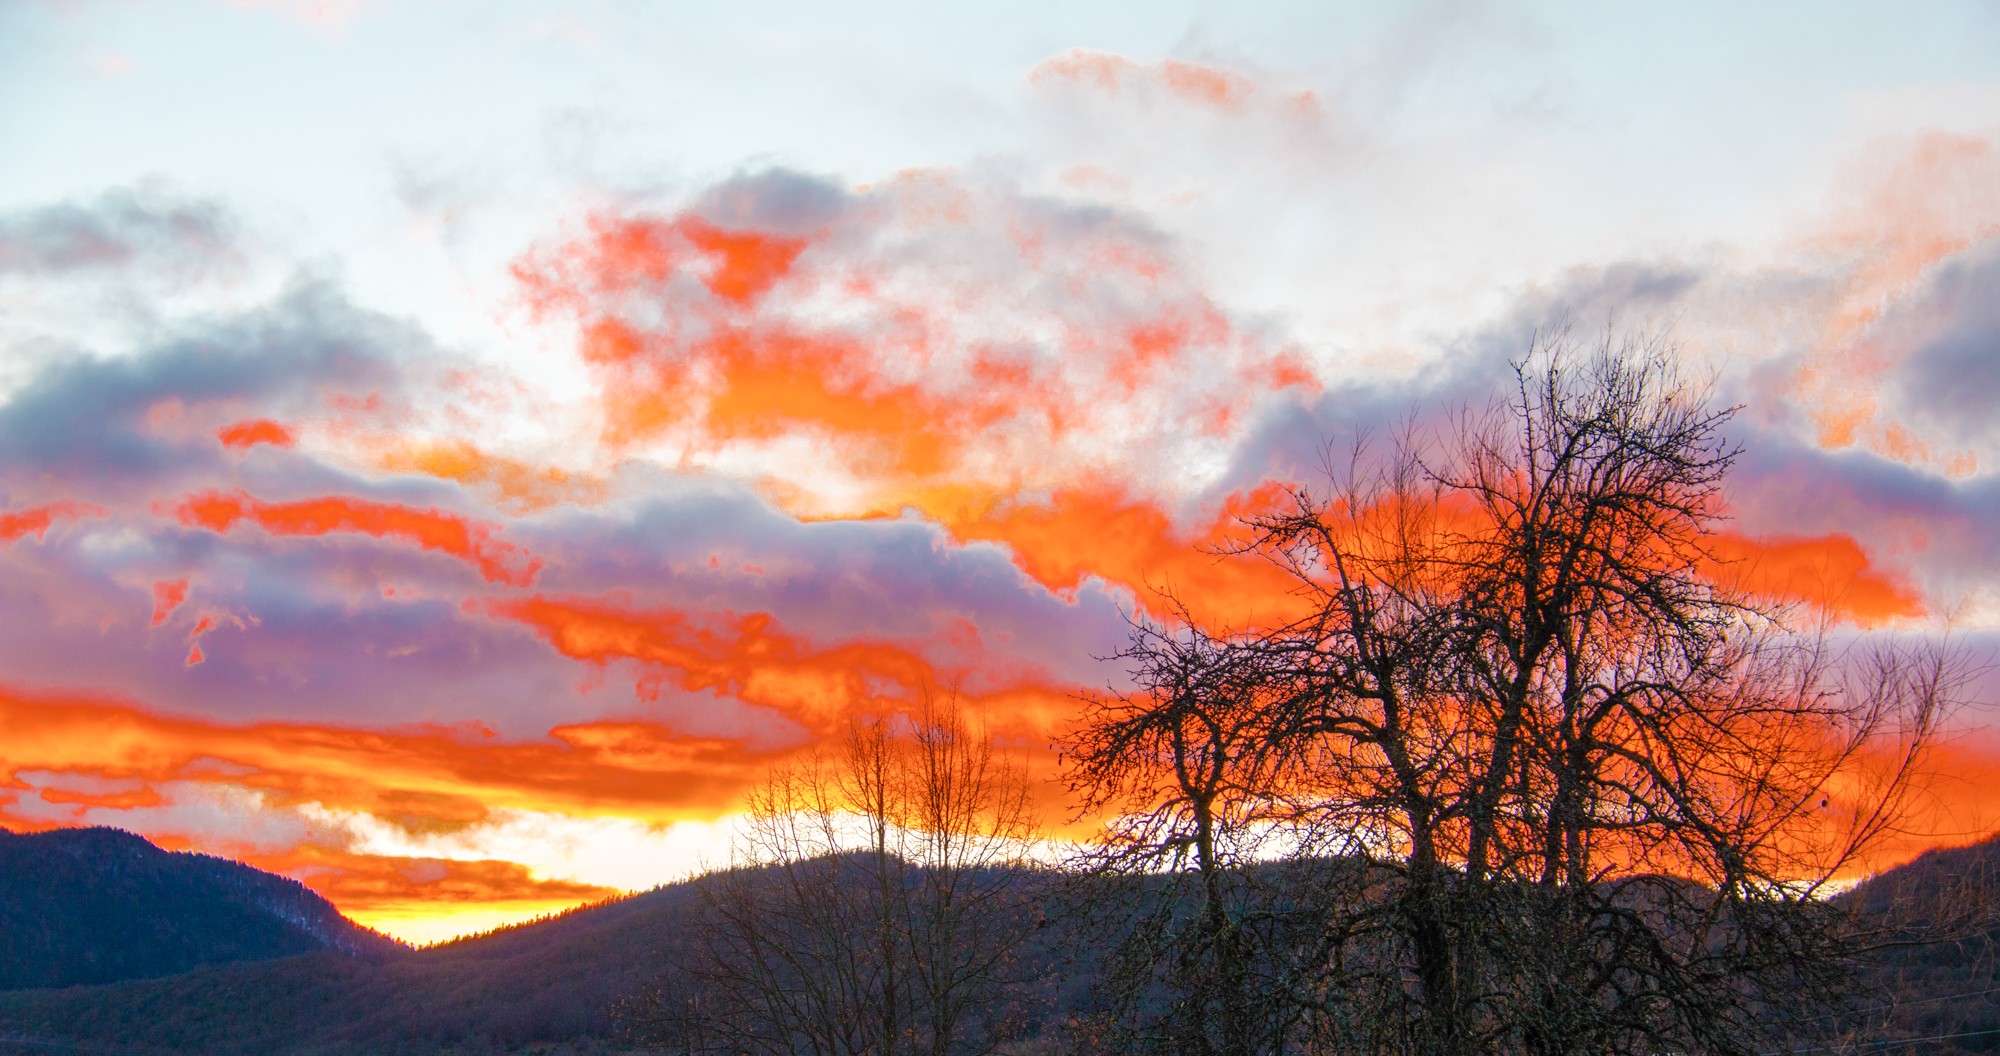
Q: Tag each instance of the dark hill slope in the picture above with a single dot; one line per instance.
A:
(84, 906)
(1935, 996)
(548, 985)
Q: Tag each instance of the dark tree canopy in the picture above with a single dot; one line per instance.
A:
(1527, 776)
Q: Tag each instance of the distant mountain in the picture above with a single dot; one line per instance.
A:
(551, 987)
(86, 906)
(1942, 995)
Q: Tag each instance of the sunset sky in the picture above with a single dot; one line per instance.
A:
(449, 450)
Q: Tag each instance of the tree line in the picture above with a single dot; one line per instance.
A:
(1526, 773)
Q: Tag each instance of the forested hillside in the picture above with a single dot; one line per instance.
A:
(563, 985)
(83, 906)
(552, 981)
(1942, 995)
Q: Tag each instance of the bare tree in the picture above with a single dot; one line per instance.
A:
(1545, 783)
(1182, 765)
(878, 905)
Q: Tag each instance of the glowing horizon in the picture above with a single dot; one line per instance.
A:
(452, 474)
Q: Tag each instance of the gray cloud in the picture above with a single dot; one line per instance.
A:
(350, 629)
(1945, 532)
(778, 201)
(831, 581)
(1293, 439)
(1952, 375)
(83, 421)
(121, 229)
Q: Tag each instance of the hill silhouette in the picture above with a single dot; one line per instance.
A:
(1943, 996)
(85, 906)
(552, 987)
(551, 983)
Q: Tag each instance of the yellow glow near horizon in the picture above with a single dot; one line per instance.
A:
(421, 924)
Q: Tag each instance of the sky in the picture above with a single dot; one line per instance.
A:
(450, 451)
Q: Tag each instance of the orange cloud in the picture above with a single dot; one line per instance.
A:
(1098, 531)
(747, 657)
(514, 485)
(167, 596)
(37, 520)
(1832, 573)
(418, 900)
(1918, 208)
(368, 887)
(916, 410)
(203, 627)
(1954, 801)
(1081, 65)
(755, 660)
(429, 780)
(1191, 82)
(1066, 343)
(448, 533)
(421, 776)
(621, 255)
(120, 799)
(244, 435)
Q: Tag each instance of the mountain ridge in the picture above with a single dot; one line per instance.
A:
(552, 986)
(89, 906)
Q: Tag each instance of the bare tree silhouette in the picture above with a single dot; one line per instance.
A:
(878, 904)
(1529, 776)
